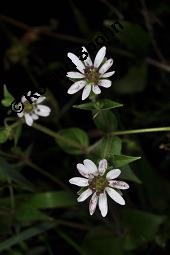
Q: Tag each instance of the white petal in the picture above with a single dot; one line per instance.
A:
(79, 64)
(84, 195)
(96, 89)
(115, 196)
(106, 75)
(34, 116)
(79, 181)
(118, 184)
(28, 119)
(23, 99)
(99, 57)
(83, 170)
(20, 114)
(78, 85)
(105, 83)
(102, 166)
(29, 93)
(103, 204)
(86, 92)
(112, 174)
(93, 203)
(40, 100)
(75, 75)
(106, 66)
(87, 61)
(42, 110)
(91, 166)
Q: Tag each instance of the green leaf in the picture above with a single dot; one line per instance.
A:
(108, 145)
(128, 174)
(131, 36)
(78, 141)
(122, 160)
(105, 121)
(104, 104)
(8, 170)
(26, 234)
(28, 208)
(3, 135)
(100, 240)
(141, 227)
(134, 81)
(8, 98)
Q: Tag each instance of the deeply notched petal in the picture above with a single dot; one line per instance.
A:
(75, 75)
(106, 75)
(79, 181)
(84, 195)
(115, 196)
(42, 110)
(96, 89)
(105, 83)
(28, 119)
(87, 61)
(102, 166)
(106, 66)
(84, 171)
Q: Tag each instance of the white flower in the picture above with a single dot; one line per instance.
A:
(90, 76)
(98, 183)
(32, 111)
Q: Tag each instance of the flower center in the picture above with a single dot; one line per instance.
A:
(28, 107)
(98, 183)
(91, 74)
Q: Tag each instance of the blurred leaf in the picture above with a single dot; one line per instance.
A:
(8, 98)
(8, 170)
(100, 241)
(104, 104)
(134, 81)
(3, 135)
(108, 145)
(28, 209)
(133, 36)
(121, 160)
(105, 121)
(81, 20)
(141, 227)
(128, 174)
(77, 137)
(26, 234)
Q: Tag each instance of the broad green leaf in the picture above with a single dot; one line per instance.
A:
(134, 81)
(122, 160)
(9, 171)
(141, 227)
(26, 234)
(108, 145)
(8, 98)
(28, 208)
(128, 174)
(105, 121)
(104, 104)
(75, 141)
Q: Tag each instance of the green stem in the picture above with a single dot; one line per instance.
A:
(139, 131)
(56, 135)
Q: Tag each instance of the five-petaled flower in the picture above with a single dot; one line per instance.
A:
(99, 182)
(91, 76)
(33, 108)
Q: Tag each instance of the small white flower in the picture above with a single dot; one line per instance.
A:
(90, 76)
(32, 111)
(99, 183)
